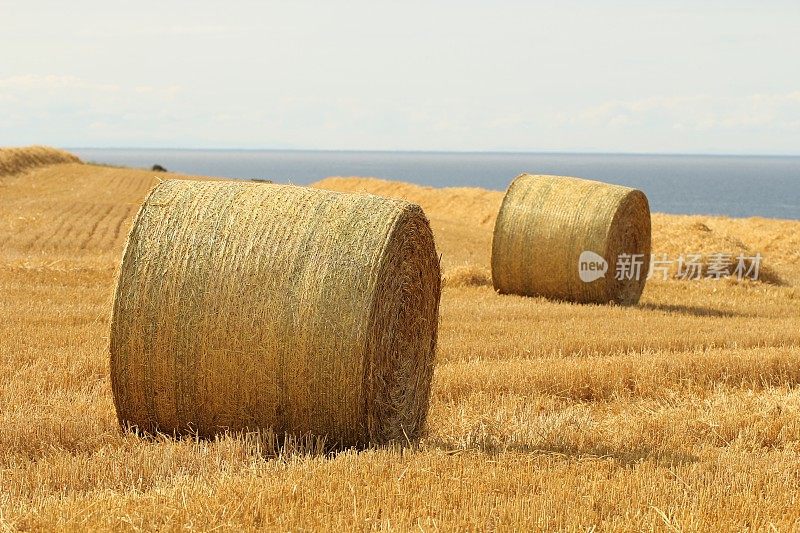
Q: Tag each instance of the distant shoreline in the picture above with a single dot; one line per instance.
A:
(434, 152)
(727, 185)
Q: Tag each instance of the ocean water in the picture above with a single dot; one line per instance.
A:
(739, 186)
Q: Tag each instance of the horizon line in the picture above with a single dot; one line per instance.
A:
(412, 151)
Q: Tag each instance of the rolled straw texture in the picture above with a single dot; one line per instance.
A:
(244, 305)
(546, 222)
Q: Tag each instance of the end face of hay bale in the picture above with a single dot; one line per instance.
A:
(551, 227)
(244, 306)
(16, 160)
(629, 237)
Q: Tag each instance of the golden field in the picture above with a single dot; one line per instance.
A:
(682, 413)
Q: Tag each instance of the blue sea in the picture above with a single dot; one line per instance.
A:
(738, 186)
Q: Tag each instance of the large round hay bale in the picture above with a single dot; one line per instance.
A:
(551, 227)
(243, 306)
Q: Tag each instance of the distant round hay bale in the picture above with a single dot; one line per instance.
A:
(16, 160)
(244, 306)
(546, 223)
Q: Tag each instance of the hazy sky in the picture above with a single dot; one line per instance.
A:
(462, 75)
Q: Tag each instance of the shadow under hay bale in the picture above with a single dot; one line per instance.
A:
(244, 306)
(549, 225)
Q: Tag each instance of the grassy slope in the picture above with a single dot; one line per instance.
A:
(683, 412)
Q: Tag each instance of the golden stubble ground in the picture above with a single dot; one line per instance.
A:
(682, 413)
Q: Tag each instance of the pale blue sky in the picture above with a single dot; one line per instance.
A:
(697, 77)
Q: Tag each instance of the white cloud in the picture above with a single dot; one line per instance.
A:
(70, 110)
(31, 86)
(779, 111)
(611, 76)
(15, 84)
(205, 30)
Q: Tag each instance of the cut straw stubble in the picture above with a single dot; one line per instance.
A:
(17, 160)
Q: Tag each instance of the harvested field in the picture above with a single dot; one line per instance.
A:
(679, 413)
